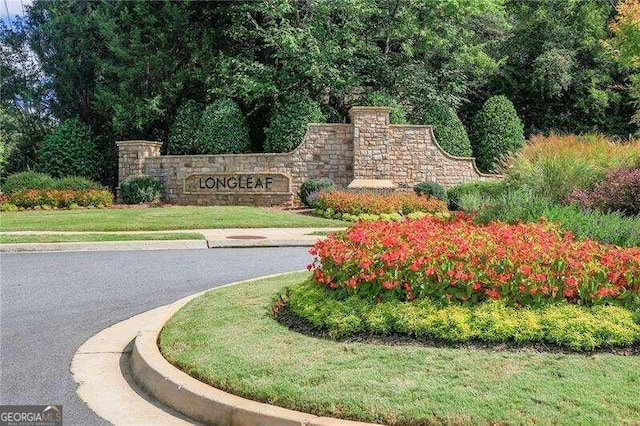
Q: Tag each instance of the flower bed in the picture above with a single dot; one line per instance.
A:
(55, 198)
(455, 260)
(371, 206)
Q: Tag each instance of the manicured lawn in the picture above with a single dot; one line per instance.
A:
(227, 338)
(158, 219)
(88, 237)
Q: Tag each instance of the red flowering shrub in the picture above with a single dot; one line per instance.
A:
(372, 203)
(440, 259)
(619, 190)
(57, 198)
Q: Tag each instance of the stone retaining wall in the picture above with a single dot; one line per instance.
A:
(367, 149)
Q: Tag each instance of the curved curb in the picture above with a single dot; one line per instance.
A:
(200, 401)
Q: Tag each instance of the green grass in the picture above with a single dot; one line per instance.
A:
(228, 339)
(157, 219)
(88, 237)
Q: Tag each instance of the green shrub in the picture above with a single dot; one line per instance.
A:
(289, 121)
(76, 183)
(27, 180)
(69, 151)
(382, 99)
(448, 129)
(140, 189)
(223, 129)
(311, 189)
(183, 134)
(497, 130)
(481, 190)
(431, 189)
(567, 325)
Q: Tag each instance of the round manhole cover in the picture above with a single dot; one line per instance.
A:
(246, 237)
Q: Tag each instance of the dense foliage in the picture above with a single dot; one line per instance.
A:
(69, 151)
(447, 128)
(576, 327)
(223, 129)
(140, 189)
(289, 121)
(126, 68)
(497, 131)
(183, 133)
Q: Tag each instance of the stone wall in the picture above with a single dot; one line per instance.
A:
(369, 149)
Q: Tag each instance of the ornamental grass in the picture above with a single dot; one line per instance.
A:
(455, 260)
(554, 165)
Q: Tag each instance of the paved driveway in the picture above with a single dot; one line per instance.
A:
(50, 303)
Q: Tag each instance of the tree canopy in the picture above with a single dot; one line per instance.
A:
(125, 68)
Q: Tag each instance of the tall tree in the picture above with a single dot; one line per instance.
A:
(25, 116)
(625, 46)
(557, 72)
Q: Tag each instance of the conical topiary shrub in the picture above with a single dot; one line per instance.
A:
(448, 129)
(223, 129)
(496, 130)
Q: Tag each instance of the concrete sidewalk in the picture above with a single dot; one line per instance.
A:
(213, 238)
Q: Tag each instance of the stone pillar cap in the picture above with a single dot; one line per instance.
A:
(369, 108)
(138, 142)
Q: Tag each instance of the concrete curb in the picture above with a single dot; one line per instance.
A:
(199, 401)
(105, 245)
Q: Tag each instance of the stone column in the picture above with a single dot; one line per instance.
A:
(371, 166)
(131, 158)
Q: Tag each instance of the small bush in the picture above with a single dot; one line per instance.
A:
(431, 189)
(140, 189)
(76, 183)
(481, 190)
(497, 130)
(223, 129)
(448, 129)
(183, 134)
(69, 151)
(289, 121)
(311, 189)
(575, 327)
(27, 180)
(382, 99)
(619, 190)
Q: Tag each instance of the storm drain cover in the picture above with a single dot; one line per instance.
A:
(246, 237)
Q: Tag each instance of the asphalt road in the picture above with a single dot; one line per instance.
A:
(51, 303)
